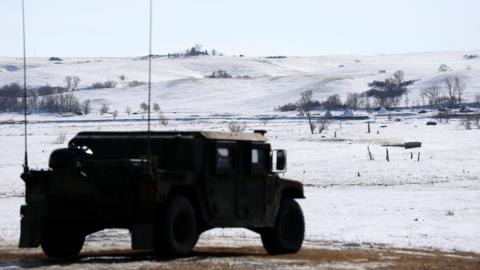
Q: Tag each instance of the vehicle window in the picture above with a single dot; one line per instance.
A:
(259, 163)
(224, 159)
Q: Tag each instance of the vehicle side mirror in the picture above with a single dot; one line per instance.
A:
(281, 160)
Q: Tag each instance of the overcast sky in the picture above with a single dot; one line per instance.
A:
(250, 27)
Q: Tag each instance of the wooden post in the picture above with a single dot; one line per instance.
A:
(418, 158)
(388, 157)
(411, 155)
(368, 127)
(369, 153)
(335, 134)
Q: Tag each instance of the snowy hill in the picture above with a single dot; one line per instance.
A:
(179, 85)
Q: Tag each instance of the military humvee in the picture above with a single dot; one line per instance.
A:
(194, 181)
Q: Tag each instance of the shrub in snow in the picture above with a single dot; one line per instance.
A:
(60, 139)
(466, 123)
(106, 84)
(162, 119)
(104, 109)
(470, 56)
(54, 58)
(237, 127)
(219, 74)
(444, 68)
(136, 83)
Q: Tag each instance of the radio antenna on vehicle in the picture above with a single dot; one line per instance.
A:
(25, 164)
(149, 90)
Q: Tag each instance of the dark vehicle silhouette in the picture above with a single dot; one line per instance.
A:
(193, 182)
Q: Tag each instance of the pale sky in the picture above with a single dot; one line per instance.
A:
(251, 27)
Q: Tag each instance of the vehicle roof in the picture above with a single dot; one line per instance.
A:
(209, 135)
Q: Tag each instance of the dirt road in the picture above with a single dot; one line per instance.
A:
(248, 257)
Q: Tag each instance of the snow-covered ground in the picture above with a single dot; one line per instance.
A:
(433, 202)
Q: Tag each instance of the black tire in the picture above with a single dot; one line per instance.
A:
(176, 229)
(288, 233)
(59, 242)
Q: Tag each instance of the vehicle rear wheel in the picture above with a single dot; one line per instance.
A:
(176, 231)
(61, 241)
(288, 233)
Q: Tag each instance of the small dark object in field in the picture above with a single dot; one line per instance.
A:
(352, 244)
(422, 111)
(431, 123)
(384, 126)
(54, 58)
(397, 120)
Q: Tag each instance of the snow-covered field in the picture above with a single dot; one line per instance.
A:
(433, 202)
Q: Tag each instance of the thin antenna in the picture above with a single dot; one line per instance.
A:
(150, 88)
(25, 164)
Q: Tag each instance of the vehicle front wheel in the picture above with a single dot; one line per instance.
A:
(176, 231)
(61, 241)
(288, 233)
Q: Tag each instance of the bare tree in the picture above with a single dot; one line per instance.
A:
(104, 109)
(432, 94)
(86, 107)
(144, 107)
(115, 114)
(368, 105)
(466, 123)
(198, 47)
(156, 107)
(459, 86)
(449, 85)
(477, 99)
(163, 120)
(75, 82)
(68, 81)
(333, 102)
(322, 124)
(305, 105)
(128, 110)
(398, 77)
(353, 101)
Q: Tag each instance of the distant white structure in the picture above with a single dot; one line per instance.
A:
(328, 114)
(382, 110)
(348, 113)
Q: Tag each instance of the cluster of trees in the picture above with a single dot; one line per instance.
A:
(195, 50)
(353, 101)
(449, 92)
(388, 93)
(106, 84)
(40, 99)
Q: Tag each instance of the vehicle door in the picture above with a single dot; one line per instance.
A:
(220, 183)
(254, 161)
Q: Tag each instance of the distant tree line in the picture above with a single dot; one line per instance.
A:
(51, 99)
(448, 92)
(196, 50)
(387, 93)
